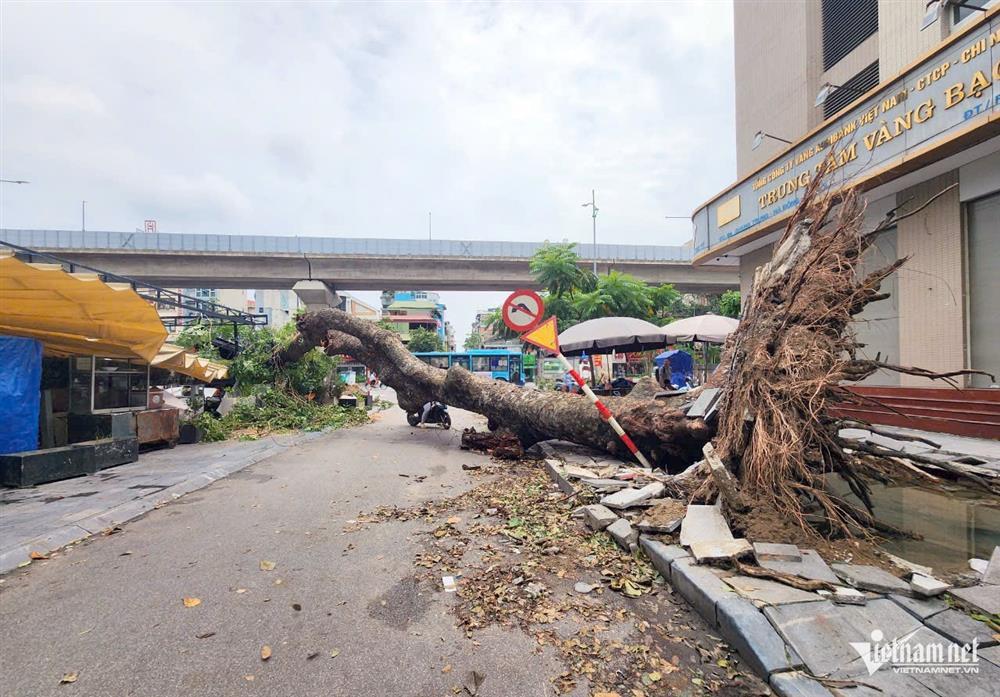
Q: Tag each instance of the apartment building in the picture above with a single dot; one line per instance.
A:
(904, 96)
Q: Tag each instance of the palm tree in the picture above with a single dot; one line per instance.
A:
(556, 267)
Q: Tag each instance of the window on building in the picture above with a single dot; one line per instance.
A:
(959, 12)
(983, 248)
(862, 82)
(846, 25)
(209, 294)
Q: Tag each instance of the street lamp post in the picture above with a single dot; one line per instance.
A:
(593, 206)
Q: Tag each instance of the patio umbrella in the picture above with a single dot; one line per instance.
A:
(608, 334)
(709, 328)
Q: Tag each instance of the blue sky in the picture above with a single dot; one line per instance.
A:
(357, 119)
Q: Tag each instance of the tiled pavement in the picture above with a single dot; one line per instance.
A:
(46, 517)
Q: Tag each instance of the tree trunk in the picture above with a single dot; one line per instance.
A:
(658, 427)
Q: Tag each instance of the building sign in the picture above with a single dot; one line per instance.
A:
(955, 90)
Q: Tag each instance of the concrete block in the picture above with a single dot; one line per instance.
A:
(992, 573)
(871, 578)
(749, 632)
(627, 498)
(980, 684)
(927, 586)
(663, 556)
(577, 472)
(555, 472)
(704, 403)
(707, 551)
(812, 567)
(605, 484)
(820, 633)
(316, 295)
(701, 586)
(797, 684)
(761, 591)
(983, 598)
(624, 534)
(961, 628)
(773, 551)
(704, 523)
(598, 517)
(991, 654)
(921, 608)
(673, 526)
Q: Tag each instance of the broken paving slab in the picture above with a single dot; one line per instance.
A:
(665, 516)
(849, 596)
(628, 498)
(613, 484)
(775, 551)
(821, 633)
(707, 551)
(982, 683)
(598, 517)
(871, 578)
(701, 586)
(624, 534)
(927, 586)
(703, 404)
(812, 567)
(984, 598)
(762, 591)
(749, 632)
(704, 523)
(961, 628)
(921, 608)
(555, 472)
(577, 472)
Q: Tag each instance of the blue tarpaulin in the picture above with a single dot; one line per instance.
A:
(681, 365)
(20, 395)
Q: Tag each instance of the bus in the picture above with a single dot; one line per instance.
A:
(499, 364)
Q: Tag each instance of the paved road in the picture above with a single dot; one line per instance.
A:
(119, 621)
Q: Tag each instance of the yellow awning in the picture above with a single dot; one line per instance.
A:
(180, 360)
(76, 313)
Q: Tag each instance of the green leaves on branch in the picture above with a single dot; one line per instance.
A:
(424, 340)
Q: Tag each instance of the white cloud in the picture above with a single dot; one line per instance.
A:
(357, 119)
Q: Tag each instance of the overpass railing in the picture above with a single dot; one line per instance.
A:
(331, 246)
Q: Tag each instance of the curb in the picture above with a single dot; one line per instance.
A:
(11, 559)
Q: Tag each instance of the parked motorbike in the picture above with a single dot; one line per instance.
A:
(438, 415)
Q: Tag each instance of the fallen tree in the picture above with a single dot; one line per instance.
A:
(782, 372)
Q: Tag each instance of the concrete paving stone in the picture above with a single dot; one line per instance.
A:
(118, 515)
(887, 617)
(598, 517)
(885, 683)
(979, 565)
(554, 470)
(960, 628)
(12, 556)
(927, 586)
(707, 551)
(797, 684)
(199, 481)
(821, 633)
(775, 551)
(624, 534)
(673, 526)
(991, 654)
(701, 586)
(704, 523)
(613, 484)
(628, 498)
(748, 631)
(992, 573)
(663, 556)
(811, 567)
(703, 403)
(921, 608)
(761, 591)
(577, 472)
(982, 683)
(984, 598)
(871, 578)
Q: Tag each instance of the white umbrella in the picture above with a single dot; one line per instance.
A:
(607, 334)
(709, 328)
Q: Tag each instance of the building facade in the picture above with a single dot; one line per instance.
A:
(903, 100)
(412, 309)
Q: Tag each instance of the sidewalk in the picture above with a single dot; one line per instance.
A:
(47, 517)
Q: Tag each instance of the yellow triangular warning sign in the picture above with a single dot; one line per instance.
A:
(545, 335)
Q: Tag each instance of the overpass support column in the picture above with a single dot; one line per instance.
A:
(316, 295)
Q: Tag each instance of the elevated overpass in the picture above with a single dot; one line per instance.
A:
(182, 260)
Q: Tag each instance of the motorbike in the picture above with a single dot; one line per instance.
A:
(438, 415)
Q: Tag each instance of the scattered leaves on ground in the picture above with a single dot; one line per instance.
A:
(191, 602)
(266, 565)
(265, 652)
(68, 678)
(38, 556)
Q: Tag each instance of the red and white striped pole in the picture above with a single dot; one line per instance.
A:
(603, 410)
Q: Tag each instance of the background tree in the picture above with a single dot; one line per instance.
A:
(424, 340)
(729, 304)
(473, 341)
